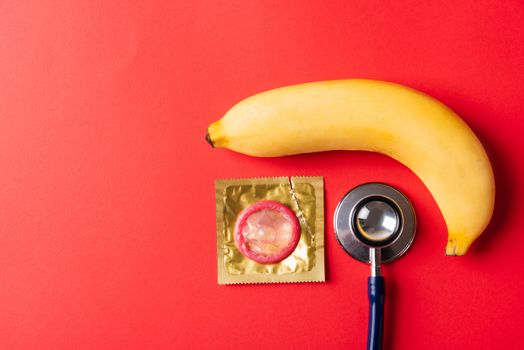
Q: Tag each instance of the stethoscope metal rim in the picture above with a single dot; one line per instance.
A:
(345, 232)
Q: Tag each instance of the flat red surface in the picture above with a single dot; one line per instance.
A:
(107, 208)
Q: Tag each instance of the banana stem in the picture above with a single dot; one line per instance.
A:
(208, 139)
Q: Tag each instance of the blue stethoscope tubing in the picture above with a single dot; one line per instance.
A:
(376, 295)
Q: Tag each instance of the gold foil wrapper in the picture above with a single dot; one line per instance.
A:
(305, 196)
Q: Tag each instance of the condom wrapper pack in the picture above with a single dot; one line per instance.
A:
(304, 196)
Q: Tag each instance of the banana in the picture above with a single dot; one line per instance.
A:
(405, 124)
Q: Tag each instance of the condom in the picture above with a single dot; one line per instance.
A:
(267, 232)
(270, 230)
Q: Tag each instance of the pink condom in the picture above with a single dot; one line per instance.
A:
(267, 232)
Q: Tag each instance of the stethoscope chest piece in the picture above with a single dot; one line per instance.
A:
(375, 215)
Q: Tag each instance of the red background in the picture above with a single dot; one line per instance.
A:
(107, 208)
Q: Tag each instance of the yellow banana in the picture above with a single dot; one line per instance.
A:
(405, 124)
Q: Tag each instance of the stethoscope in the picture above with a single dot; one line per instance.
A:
(375, 224)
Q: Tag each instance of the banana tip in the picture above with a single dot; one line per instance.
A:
(208, 139)
(453, 248)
